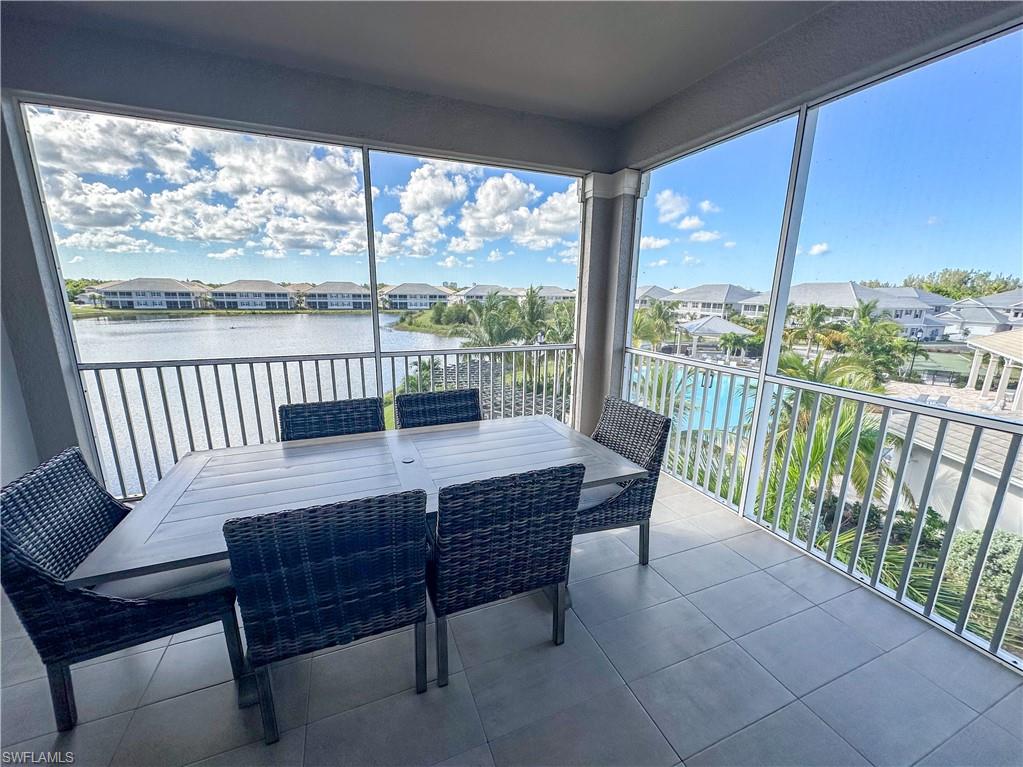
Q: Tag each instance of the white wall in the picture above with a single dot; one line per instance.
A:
(17, 447)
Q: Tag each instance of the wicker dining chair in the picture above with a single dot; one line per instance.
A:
(640, 435)
(53, 518)
(328, 575)
(307, 420)
(495, 538)
(436, 408)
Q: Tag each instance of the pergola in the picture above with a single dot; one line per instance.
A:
(1003, 351)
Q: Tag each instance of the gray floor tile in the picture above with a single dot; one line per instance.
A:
(92, 743)
(188, 728)
(19, 661)
(689, 503)
(882, 623)
(10, 624)
(808, 649)
(888, 712)
(287, 752)
(615, 594)
(497, 630)
(669, 538)
(610, 729)
(723, 524)
(101, 690)
(813, 580)
(196, 633)
(598, 556)
(697, 569)
(762, 548)
(667, 510)
(699, 701)
(745, 604)
(977, 681)
(668, 486)
(404, 729)
(291, 682)
(656, 637)
(190, 666)
(791, 737)
(474, 757)
(368, 671)
(980, 744)
(1008, 712)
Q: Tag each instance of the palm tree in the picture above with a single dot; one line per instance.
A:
(561, 323)
(878, 340)
(731, 343)
(494, 322)
(532, 315)
(653, 323)
(812, 321)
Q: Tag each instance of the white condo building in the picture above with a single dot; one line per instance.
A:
(479, 293)
(338, 295)
(984, 315)
(253, 294)
(414, 295)
(647, 294)
(151, 293)
(711, 300)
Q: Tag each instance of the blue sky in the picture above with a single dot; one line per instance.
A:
(919, 173)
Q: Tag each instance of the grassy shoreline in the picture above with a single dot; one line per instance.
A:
(93, 312)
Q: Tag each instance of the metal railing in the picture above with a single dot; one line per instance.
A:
(923, 504)
(146, 415)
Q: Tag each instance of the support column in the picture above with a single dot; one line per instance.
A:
(610, 234)
(1017, 401)
(971, 382)
(1003, 383)
(989, 375)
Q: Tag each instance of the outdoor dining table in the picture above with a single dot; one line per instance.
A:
(179, 523)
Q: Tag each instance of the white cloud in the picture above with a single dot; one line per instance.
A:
(464, 244)
(500, 208)
(451, 262)
(932, 220)
(494, 256)
(396, 222)
(819, 249)
(670, 205)
(653, 243)
(708, 207)
(570, 253)
(273, 253)
(690, 222)
(108, 241)
(730, 244)
(551, 260)
(77, 260)
(74, 203)
(224, 255)
(691, 260)
(705, 235)
(659, 262)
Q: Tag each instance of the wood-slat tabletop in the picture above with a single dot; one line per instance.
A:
(180, 522)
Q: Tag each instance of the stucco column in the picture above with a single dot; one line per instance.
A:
(610, 203)
(989, 375)
(971, 382)
(1017, 401)
(1003, 383)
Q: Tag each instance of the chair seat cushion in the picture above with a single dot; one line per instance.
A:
(182, 583)
(594, 496)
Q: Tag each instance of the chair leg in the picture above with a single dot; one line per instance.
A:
(62, 693)
(233, 637)
(560, 605)
(442, 651)
(266, 705)
(644, 542)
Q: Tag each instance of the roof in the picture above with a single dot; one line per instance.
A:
(298, 287)
(553, 291)
(407, 288)
(481, 291)
(714, 326)
(655, 293)
(929, 298)
(251, 286)
(338, 287)
(1007, 344)
(721, 293)
(157, 284)
(847, 295)
(974, 315)
(1002, 300)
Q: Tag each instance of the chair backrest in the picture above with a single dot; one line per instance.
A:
(634, 433)
(503, 536)
(328, 575)
(331, 419)
(436, 408)
(53, 518)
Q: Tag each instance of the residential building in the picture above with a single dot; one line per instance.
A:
(983, 315)
(711, 300)
(253, 294)
(414, 295)
(647, 294)
(478, 293)
(338, 295)
(553, 294)
(150, 293)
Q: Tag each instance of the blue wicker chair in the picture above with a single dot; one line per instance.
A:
(498, 537)
(436, 408)
(328, 575)
(640, 435)
(331, 419)
(53, 518)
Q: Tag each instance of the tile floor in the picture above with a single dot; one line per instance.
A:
(731, 648)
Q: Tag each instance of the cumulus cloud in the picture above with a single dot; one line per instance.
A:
(708, 207)
(452, 262)
(225, 255)
(76, 260)
(653, 243)
(819, 249)
(705, 235)
(495, 255)
(670, 205)
(396, 222)
(690, 222)
(730, 244)
(691, 260)
(73, 203)
(659, 262)
(465, 244)
(109, 242)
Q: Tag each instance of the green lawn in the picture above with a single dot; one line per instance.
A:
(952, 361)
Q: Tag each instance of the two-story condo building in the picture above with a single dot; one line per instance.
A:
(338, 295)
(983, 315)
(553, 294)
(647, 294)
(478, 293)
(150, 293)
(711, 300)
(253, 294)
(414, 295)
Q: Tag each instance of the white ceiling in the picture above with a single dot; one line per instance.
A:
(596, 62)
